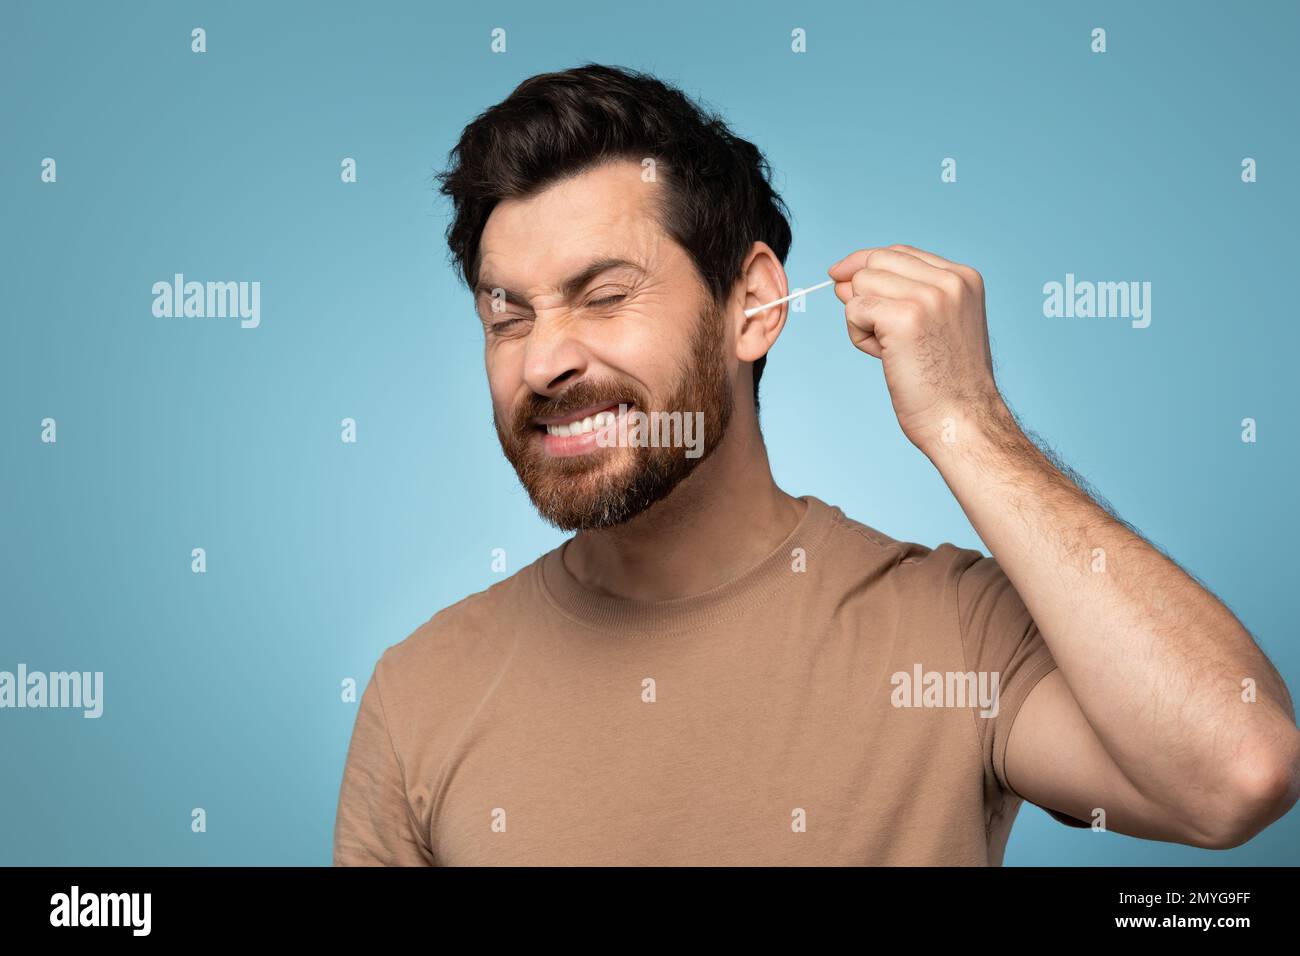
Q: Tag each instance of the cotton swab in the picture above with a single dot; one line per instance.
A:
(793, 295)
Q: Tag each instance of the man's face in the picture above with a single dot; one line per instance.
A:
(596, 307)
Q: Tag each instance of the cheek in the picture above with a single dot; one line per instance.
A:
(505, 379)
(643, 348)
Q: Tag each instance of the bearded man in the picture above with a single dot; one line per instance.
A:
(712, 671)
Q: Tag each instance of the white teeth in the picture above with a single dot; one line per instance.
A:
(590, 423)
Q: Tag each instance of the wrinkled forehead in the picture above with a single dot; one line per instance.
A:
(534, 243)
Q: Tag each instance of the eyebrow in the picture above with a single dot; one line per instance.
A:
(570, 286)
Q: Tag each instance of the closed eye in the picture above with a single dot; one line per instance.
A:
(607, 300)
(504, 326)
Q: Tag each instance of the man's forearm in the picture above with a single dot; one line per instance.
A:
(1158, 665)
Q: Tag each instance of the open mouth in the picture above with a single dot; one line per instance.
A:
(583, 431)
(583, 421)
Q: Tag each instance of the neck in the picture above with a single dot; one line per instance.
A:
(723, 518)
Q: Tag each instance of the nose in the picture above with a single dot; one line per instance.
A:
(554, 355)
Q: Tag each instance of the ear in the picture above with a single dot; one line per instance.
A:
(762, 278)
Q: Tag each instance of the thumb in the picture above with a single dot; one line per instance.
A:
(843, 270)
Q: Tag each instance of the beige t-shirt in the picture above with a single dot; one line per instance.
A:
(823, 708)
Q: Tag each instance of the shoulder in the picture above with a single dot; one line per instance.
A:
(460, 647)
(869, 550)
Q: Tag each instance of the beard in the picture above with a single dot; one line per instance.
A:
(610, 486)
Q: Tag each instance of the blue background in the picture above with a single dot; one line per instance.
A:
(222, 689)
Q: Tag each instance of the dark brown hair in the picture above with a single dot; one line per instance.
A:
(719, 198)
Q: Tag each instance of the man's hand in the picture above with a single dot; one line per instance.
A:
(923, 317)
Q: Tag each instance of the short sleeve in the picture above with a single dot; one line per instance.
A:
(998, 638)
(374, 825)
